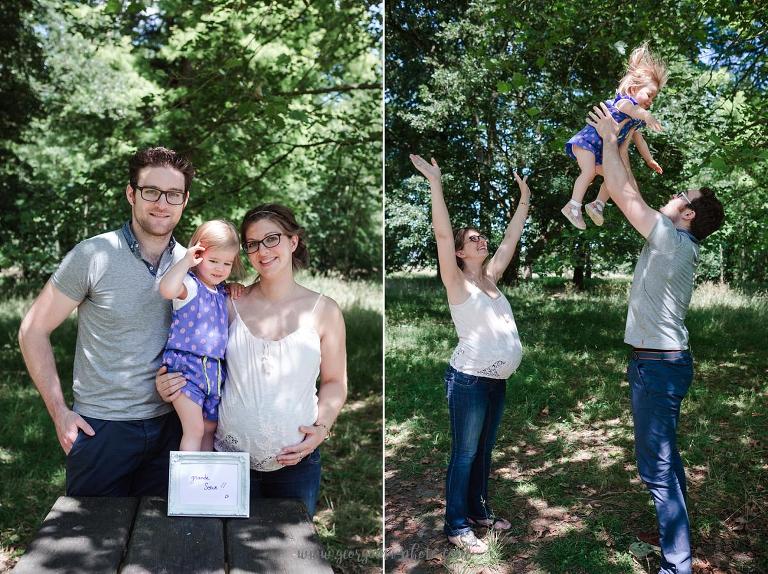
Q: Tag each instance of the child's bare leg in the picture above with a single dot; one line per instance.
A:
(209, 431)
(191, 416)
(572, 209)
(595, 208)
(603, 196)
(586, 161)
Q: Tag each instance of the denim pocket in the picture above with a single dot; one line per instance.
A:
(458, 378)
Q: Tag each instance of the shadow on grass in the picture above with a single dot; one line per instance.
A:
(564, 468)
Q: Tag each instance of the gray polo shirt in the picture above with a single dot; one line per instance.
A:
(662, 289)
(122, 325)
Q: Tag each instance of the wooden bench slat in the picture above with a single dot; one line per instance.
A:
(80, 535)
(278, 538)
(162, 543)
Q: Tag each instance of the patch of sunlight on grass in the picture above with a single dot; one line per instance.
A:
(710, 294)
(7, 455)
(526, 489)
(459, 561)
(401, 434)
(32, 432)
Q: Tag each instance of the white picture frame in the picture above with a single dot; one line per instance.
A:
(209, 484)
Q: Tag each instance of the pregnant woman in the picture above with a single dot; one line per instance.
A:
(282, 336)
(488, 352)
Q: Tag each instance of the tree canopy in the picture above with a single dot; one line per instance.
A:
(272, 101)
(487, 87)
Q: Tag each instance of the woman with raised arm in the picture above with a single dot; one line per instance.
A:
(488, 352)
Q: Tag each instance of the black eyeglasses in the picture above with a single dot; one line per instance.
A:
(271, 240)
(476, 238)
(683, 195)
(153, 194)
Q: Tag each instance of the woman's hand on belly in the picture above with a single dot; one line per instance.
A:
(313, 437)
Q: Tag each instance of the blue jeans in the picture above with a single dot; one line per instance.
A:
(123, 458)
(658, 383)
(475, 405)
(300, 481)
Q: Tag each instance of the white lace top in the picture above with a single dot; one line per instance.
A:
(270, 392)
(489, 345)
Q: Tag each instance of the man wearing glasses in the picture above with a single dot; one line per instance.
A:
(119, 432)
(660, 368)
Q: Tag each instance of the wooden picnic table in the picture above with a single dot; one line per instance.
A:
(135, 535)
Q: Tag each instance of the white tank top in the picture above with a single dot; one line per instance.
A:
(270, 392)
(489, 345)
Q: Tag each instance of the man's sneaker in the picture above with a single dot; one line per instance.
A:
(595, 212)
(573, 214)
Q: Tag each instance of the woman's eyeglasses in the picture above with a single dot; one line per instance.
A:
(271, 240)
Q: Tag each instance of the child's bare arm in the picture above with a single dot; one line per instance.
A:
(172, 283)
(645, 152)
(639, 113)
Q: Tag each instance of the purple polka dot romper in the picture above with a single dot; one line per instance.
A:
(589, 139)
(196, 345)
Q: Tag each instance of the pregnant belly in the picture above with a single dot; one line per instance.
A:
(262, 432)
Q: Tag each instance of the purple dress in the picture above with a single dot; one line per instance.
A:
(196, 345)
(589, 139)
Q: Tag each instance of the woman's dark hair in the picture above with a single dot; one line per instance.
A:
(160, 157)
(283, 217)
(709, 214)
(459, 238)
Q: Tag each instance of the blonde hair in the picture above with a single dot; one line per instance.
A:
(643, 68)
(220, 234)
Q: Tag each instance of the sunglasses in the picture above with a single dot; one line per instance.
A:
(476, 238)
(684, 196)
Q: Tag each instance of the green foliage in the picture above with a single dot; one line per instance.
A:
(276, 101)
(488, 87)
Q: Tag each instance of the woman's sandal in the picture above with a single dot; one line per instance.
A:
(494, 523)
(469, 543)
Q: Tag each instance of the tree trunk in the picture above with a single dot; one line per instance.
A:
(582, 259)
(578, 277)
(512, 273)
(722, 267)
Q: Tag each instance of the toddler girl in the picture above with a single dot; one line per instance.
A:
(198, 334)
(646, 75)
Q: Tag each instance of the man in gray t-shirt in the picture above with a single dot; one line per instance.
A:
(119, 432)
(660, 369)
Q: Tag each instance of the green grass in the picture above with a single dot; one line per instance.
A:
(348, 518)
(564, 469)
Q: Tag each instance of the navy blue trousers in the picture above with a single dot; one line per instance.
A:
(123, 458)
